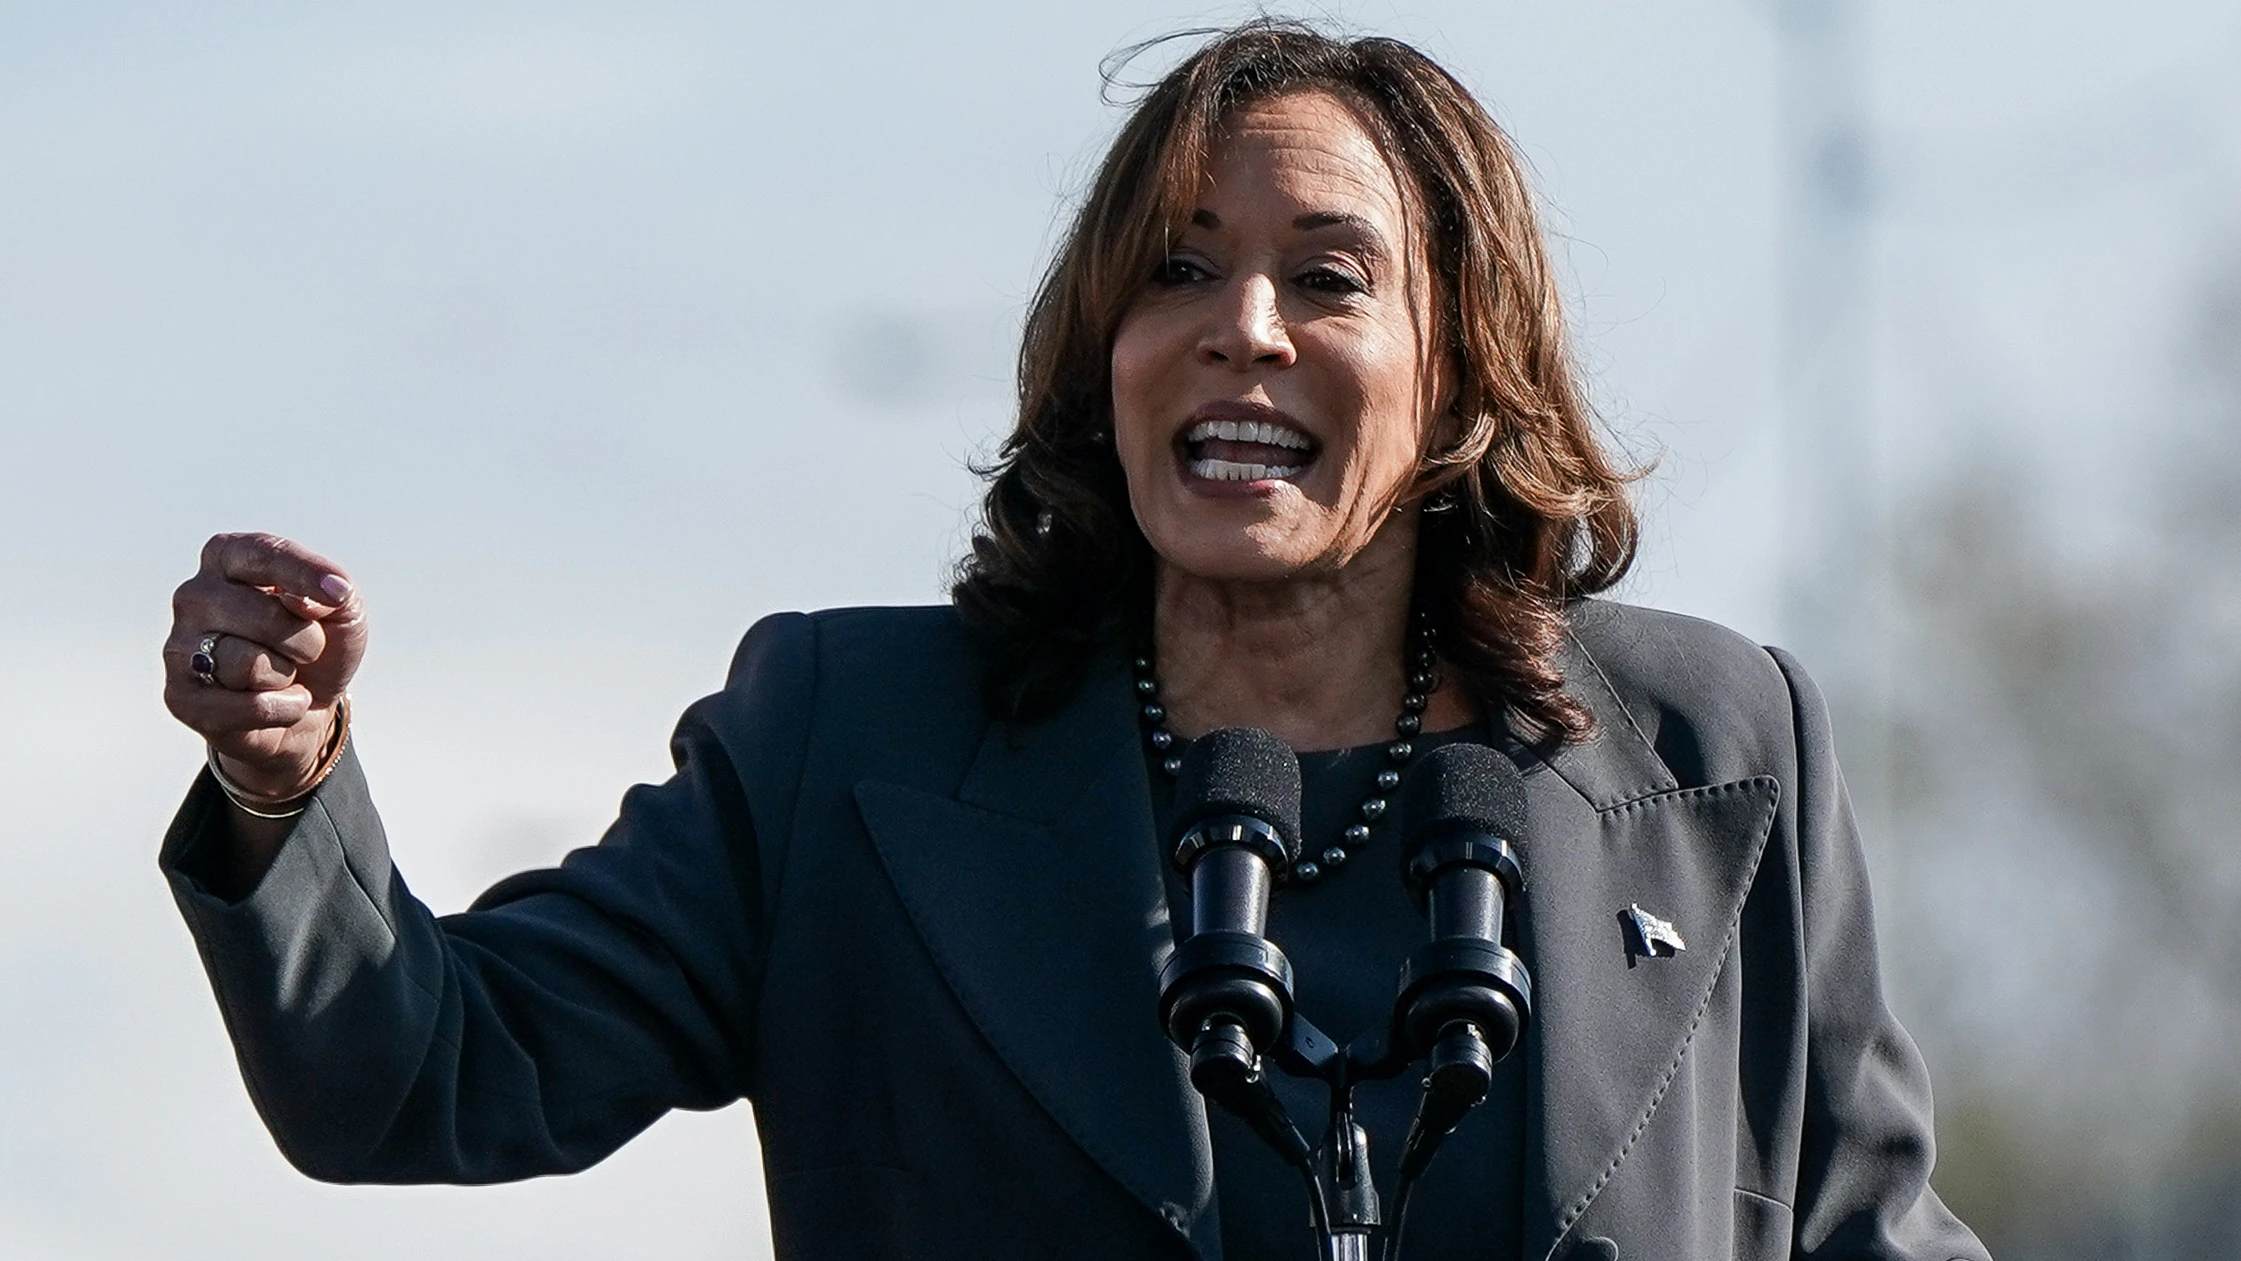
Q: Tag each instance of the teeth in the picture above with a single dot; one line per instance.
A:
(1233, 471)
(1264, 432)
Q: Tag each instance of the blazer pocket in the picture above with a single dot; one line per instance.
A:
(1762, 1227)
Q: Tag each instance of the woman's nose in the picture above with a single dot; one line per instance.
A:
(1245, 329)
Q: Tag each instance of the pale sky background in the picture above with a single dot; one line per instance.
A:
(585, 334)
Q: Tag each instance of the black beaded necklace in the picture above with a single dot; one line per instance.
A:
(1422, 660)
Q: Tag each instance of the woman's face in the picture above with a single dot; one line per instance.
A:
(1272, 393)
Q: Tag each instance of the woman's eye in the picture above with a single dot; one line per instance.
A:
(1332, 281)
(1178, 271)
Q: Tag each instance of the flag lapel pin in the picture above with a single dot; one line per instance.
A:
(1653, 938)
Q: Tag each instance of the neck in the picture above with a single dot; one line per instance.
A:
(1314, 659)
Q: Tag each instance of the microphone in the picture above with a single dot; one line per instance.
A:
(1226, 993)
(1465, 998)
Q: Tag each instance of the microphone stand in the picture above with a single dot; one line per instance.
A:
(1456, 992)
(1342, 1194)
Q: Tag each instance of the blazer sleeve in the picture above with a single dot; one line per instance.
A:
(1867, 1145)
(561, 1014)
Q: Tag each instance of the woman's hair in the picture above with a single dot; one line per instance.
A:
(1528, 511)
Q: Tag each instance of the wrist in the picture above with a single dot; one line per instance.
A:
(258, 791)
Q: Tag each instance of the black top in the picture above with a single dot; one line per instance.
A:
(1346, 935)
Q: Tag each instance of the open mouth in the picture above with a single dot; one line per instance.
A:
(1246, 450)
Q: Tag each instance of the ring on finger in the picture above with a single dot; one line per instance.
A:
(204, 662)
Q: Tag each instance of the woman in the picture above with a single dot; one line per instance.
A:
(1297, 371)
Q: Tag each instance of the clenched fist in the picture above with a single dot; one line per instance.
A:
(279, 631)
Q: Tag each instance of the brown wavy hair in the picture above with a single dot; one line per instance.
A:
(1525, 511)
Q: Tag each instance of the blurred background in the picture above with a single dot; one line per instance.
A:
(586, 333)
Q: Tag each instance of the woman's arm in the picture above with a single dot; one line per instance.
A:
(540, 1030)
(1867, 1147)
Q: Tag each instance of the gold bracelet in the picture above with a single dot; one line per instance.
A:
(263, 806)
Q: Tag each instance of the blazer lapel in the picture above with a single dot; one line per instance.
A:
(1609, 1027)
(1039, 892)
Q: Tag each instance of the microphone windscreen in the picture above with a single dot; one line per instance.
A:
(1238, 770)
(1464, 785)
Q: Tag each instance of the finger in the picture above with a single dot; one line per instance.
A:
(215, 713)
(310, 610)
(179, 658)
(267, 560)
(208, 605)
(247, 666)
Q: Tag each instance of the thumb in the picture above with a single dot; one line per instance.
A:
(340, 608)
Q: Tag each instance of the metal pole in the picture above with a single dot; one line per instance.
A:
(1835, 551)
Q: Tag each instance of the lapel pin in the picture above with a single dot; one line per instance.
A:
(1653, 937)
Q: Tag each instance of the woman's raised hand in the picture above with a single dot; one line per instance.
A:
(280, 631)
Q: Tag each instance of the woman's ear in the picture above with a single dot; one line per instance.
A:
(1443, 438)
(1447, 430)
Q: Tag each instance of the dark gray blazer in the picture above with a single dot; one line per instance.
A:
(925, 946)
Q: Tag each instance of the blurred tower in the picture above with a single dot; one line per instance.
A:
(1834, 606)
